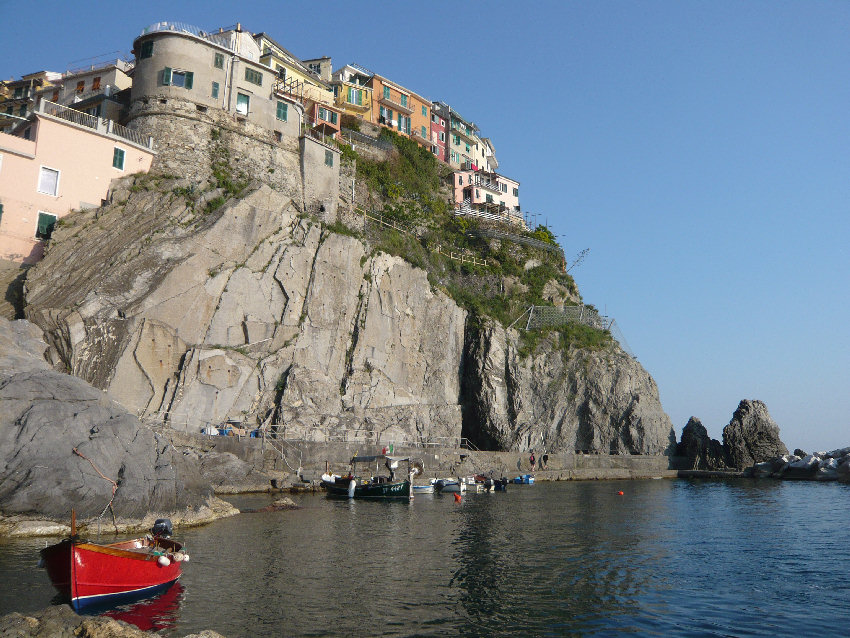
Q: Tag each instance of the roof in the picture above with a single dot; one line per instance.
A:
(293, 59)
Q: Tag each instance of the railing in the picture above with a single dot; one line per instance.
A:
(461, 257)
(181, 27)
(356, 136)
(130, 134)
(71, 115)
(122, 65)
(528, 241)
(507, 216)
(289, 86)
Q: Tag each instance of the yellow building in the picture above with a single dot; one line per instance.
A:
(351, 94)
(293, 76)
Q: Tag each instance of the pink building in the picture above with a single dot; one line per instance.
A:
(487, 194)
(438, 136)
(60, 160)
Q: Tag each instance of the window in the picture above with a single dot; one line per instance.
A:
(489, 199)
(329, 158)
(386, 92)
(182, 79)
(282, 111)
(48, 181)
(214, 92)
(242, 102)
(118, 158)
(19, 92)
(460, 180)
(218, 60)
(477, 193)
(456, 139)
(424, 112)
(81, 86)
(355, 96)
(23, 110)
(254, 77)
(146, 50)
(95, 83)
(467, 148)
(404, 100)
(442, 136)
(46, 222)
(1, 212)
(434, 118)
(503, 188)
(516, 192)
(424, 133)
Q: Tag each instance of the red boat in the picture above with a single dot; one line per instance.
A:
(93, 574)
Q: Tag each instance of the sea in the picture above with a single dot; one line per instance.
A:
(669, 557)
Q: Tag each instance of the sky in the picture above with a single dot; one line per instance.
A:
(700, 150)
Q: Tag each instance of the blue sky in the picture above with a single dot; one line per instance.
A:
(701, 150)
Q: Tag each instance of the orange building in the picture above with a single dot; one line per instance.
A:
(401, 110)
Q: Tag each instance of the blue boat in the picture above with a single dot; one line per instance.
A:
(525, 479)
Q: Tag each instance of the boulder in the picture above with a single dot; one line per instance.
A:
(65, 444)
(752, 436)
(703, 452)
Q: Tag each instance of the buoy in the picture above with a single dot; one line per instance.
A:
(457, 497)
(163, 561)
(619, 493)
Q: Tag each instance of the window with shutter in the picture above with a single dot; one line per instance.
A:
(146, 50)
(46, 223)
(282, 111)
(386, 92)
(118, 158)
(242, 103)
(214, 92)
(166, 76)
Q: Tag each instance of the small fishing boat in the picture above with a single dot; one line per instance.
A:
(425, 489)
(525, 479)
(450, 486)
(89, 574)
(375, 487)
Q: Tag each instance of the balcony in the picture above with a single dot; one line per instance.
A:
(341, 102)
(395, 106)
(289, 87)
(424, 141)
(464, 133)
(488, 185)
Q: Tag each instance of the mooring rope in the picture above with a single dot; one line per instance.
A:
(114, 489)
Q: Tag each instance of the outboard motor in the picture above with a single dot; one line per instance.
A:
(162, 528)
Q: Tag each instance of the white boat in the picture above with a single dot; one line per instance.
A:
(449, 485)
(423, 489)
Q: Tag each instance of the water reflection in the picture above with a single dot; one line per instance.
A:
(153, 614)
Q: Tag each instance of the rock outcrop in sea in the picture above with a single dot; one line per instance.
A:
(65, 444)
(751, 437)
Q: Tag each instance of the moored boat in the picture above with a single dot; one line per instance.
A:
(449, 486)
(89, 574)
(375, 487)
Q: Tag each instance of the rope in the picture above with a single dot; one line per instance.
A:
(114, 488)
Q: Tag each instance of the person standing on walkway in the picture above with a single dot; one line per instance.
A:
(532, 460)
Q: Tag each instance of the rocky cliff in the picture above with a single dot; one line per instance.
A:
(191, 304)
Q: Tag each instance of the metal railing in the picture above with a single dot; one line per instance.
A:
(71, 115)
(221, 40)
(507, 216)
(519, 239)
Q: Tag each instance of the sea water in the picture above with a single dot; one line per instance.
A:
(665, 557)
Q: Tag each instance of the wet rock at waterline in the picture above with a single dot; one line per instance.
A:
(819, 466)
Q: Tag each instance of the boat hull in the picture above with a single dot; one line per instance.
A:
(394, 490)
(89, 574)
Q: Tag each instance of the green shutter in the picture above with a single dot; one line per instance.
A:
(282, 111)
(46, 223)
(118, 158)
(333, 118)
(189, 77)
(387, 92)
(166, 76)
(350, 95)
(215, 90)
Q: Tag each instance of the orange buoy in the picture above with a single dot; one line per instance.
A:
(619, 493)
(457, 497)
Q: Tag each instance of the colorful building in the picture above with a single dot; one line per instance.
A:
(401, 110)
(18, 98)
(294, 77)
(463, 146)
(57, 161)
(487, 193)
(101, 89)
(352, 92)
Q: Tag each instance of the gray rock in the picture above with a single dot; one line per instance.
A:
(703, 452)
(752, 436)
(58, 435)
(601, 401)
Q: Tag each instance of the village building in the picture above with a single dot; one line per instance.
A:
(352, 93)
(101, 89)
(438, 133)
(57, 161)
(294, 77)
(18, 98)
(487, 194)
(401, 110)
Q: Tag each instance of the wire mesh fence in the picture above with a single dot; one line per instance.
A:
(550, 316)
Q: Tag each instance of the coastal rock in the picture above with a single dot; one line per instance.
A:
(752, 436)
(703, 452)
(60, 621)
(596, 401)
(65, 444)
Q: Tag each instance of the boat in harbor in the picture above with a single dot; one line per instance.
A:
(89, 574)
(450, 486)
(427, 488)
(524, 479)
(376, 486)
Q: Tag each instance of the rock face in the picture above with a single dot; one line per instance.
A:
(252, 312)
(752, 436)
(820, 466)
(46, 415)
(601, 401)
(702, 451)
